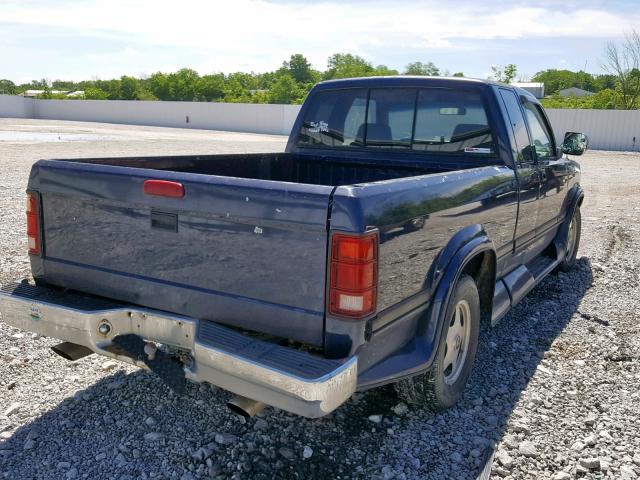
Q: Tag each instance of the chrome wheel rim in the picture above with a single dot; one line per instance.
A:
(571, 238)
(457, 342)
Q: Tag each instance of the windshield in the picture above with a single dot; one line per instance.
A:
(434, 120)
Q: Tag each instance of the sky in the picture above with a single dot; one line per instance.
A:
(77, 40)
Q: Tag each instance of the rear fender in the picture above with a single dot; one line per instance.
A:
(449, 253)
(463, 247)
(417, 355)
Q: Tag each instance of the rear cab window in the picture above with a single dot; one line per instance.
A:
(335, 119)
(433, 120)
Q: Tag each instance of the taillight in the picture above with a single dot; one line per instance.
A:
(353, 275)
(33, 224)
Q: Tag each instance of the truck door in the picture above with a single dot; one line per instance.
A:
(553, 169)
(527, 170)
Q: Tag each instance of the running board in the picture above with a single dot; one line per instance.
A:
(513, 287)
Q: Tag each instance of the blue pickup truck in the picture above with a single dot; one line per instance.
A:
(403, 213)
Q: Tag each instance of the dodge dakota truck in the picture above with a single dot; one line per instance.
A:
(403, 213)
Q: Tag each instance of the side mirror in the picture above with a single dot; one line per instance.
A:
(575, 143)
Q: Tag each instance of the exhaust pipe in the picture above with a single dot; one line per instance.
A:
(71, 351)
(245, 406)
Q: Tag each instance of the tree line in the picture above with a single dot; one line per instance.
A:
(289, 84)
(618, 88)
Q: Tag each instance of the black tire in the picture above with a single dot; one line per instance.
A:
(569, 260)
(414, 225)
(438, 389)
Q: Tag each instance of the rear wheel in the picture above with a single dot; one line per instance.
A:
(573, 242)
(444, 383)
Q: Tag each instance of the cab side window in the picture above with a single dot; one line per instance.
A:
(540, 134)
(512, 104)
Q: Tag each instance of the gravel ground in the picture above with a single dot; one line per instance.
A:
(555, 391)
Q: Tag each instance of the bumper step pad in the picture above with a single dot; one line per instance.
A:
(58, 297)
(293, 362)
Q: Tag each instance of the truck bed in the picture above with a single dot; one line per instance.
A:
(285, 167)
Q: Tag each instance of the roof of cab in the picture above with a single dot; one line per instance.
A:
(416, 81)
(402, 80)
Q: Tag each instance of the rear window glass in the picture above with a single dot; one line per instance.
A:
(390, 118)
(335, 119)
(448, 121)
(434, 120)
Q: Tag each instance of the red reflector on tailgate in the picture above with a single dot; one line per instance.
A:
(163, 188)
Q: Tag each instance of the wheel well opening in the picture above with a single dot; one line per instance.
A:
(482, 268)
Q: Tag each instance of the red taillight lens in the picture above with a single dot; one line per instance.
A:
(33, 224)
(163, 188)
(353, 275)
(354, 249)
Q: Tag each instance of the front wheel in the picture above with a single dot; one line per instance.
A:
(443, 385)
(573, 242)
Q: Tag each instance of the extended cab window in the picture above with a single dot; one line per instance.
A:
(433, 120)
(542, 141)
(335, 119)
(523, 146)
(452, 121)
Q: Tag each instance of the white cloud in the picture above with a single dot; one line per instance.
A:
(257, 35)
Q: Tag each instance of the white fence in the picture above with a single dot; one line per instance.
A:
(16, 107)
(236, 117)
(607, 129)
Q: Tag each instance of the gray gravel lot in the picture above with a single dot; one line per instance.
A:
(555, 390)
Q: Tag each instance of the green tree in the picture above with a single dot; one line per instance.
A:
(419, 68)
(38, 84)
(210, 88)
(7, 87)
(607, 99)
(64, 85)
(94, 93)
(283, 90)
(184, 85)
(604, 82)
(346, 65)
(604, 100)
(46, 92)
(623, 61)
(129, 88)
(458, 74)
(144, 94)
(241, 87)
(160, 86)
(112, 87)
(299, 68)
(383, 70)
(556, 80)
(503, 74)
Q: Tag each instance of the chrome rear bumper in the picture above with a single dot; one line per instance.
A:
(282, 377)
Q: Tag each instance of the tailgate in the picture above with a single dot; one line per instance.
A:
(243, 252)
